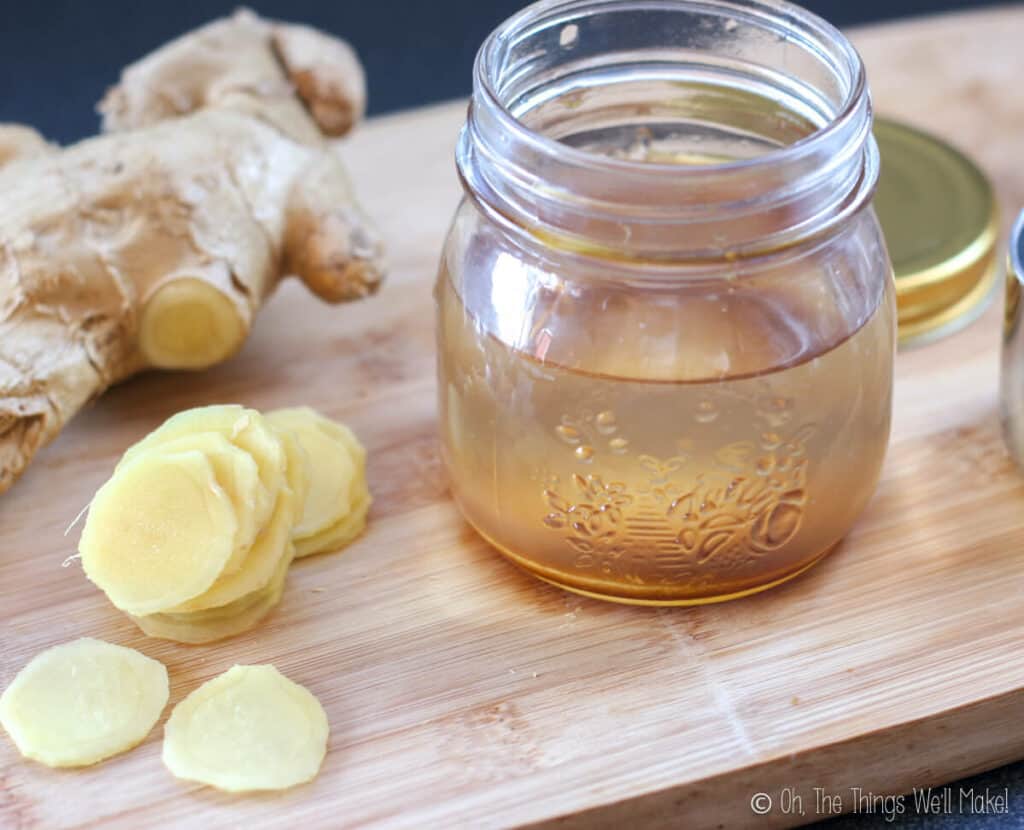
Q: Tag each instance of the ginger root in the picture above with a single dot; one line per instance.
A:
(155, 244)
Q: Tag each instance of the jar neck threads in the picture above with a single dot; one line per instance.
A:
(669, 129)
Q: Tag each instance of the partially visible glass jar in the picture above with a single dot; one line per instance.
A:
(666, 315)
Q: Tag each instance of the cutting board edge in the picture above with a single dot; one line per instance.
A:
(880, 756)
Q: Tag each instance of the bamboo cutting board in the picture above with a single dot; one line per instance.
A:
(463, 693)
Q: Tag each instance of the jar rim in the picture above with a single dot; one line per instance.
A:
(547, 11)
(649, 210)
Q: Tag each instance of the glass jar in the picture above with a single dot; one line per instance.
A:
(666, 315)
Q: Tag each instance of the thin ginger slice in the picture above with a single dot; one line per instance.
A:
(199, 627)
(249, 729)
(246, 428)
(343, 532)
(331, 463)
(336, 509)
(159, 532)
(238, 475)
(299, 472)
(81, 702)
(271, 546)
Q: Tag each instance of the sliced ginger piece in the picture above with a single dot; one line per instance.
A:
(246, 428)
(229, 620)
(335, 512)
(271, 546)
(249, 729)
(238, 475)
(159, 532)
(331, 465)
(81, 702)
(300, 471)
(343, 532)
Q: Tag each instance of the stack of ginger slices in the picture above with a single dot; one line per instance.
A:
(194, 533)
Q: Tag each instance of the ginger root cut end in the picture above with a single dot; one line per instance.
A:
(189, 324)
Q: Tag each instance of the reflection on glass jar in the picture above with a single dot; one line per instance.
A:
(666, 318)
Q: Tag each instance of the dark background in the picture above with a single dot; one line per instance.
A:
(58, 57)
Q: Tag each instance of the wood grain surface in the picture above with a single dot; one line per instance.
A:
(464, 693)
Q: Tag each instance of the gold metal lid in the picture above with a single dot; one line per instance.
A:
(940, 220)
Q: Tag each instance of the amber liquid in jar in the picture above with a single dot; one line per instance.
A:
(688, 463)
(678, 439)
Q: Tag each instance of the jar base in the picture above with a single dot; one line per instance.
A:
(658, 602)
